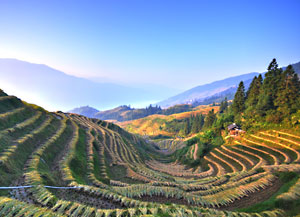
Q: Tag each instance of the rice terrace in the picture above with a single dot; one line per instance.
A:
(149, 108)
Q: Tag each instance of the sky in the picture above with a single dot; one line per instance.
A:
(178, 44)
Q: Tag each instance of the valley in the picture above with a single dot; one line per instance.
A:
(149, 108)
(64, 164)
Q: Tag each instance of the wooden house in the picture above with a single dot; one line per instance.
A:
(234, 130)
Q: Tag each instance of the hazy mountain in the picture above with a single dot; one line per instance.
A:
(215, 91)
(56, 90)
(125, 113)
(113, 114)
(85, 110)
(296, 67)
(204, 91)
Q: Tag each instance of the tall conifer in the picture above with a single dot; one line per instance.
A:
(269, 89)
(238, 104)
(288, 93)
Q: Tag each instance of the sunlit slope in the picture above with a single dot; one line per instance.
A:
(154, 125)
(70, 165)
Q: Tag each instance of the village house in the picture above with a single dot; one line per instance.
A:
(234, 130)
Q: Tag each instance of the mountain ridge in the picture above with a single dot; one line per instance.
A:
(56, 90)
(207, 92)
(84, 110)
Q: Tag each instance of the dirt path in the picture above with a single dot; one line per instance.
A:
(195, 151)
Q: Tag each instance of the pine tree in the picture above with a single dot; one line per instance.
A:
(252, 97)
(288, 94)
(195, 123)
(201, 121)
(253, 92)
(210, 118)
(223, 105)
(186, 129)
(238, 104)
(269, 90)
(252, 84)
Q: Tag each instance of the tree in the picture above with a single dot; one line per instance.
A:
(238, 104)
(210, 118)
(252, 96)
(223, 105)
(287, 100)
(186, 129)
(197, 123)
(269, 89)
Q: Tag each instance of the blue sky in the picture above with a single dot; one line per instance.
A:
(179, 44)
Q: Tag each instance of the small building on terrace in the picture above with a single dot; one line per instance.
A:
(234, 130)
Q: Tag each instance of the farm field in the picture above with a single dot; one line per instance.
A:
(154, 125)
(61, 164)
(149, 108)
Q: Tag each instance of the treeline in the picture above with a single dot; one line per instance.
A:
(193, 124)
(273, 99)
(151, 110)
(126, 113)
(270, 99)
(196, 123)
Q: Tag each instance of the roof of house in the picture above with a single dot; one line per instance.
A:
(232, 126)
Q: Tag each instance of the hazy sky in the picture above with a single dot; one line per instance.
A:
(179, 44)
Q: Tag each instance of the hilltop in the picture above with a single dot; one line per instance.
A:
(84, 110)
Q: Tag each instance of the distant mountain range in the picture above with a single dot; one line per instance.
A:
(213, 92)
(125, 113)
(200, 95)
(111, 114)
(56, 90)
(85, 110)
(208, 90)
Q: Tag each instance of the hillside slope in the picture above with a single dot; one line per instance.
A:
(155, 125)
(70, 165)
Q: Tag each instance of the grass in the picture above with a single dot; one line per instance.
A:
(11, 120)
(10, 104)
(268, 158)
(116, 172)
(78, 163)
(288, 179)
(97, 164)
(50, 155)
(229, 160)
(14, 166)
(8, 139)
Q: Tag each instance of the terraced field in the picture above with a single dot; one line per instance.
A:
(57, 164)
(154, 124)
